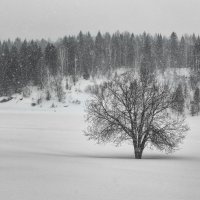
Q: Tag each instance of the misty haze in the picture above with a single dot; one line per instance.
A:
(99, 100)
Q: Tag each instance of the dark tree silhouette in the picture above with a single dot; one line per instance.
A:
(195, 108)
(129, 109)
(179, 100)
(84, 55)
(173, 50)
(51, 58)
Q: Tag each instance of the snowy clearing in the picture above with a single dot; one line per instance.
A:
(44, 155)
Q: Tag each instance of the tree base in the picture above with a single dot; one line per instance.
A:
(138, 153)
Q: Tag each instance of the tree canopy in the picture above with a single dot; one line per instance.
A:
(137, 110)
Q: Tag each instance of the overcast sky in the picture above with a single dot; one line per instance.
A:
(55, 18)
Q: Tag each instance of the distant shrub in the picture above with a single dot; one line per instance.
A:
(92, 89)
(60, 93)
(58, 87)
(96, 89)
(194, 79)
(33, 104)
(6, 99)
(179, 100)
(39, 100)
(68, 85)
(86, 76)
(195, 104)
(48, 95)
(76, 102)
(26, 92)
(53, 105)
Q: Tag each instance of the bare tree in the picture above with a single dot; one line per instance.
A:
(135, 110)
(62, 59)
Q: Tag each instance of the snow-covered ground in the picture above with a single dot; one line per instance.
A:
(45, 156)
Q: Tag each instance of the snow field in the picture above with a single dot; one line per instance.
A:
(44, 155)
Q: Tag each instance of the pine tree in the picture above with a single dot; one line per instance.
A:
(147, 64)
(14, 72)
(196, 101)
(179, 100)
(5, 65)
(131, 57)
(107, 52)
(24, 63)
(72, 56)
(66, 47)
(80, 52)
(35, 54)
(182, 62)
(88, 56)
(159, 53)
(51, 58)
(116, 50)
(173, 50)
(99, 51)
(196, 53)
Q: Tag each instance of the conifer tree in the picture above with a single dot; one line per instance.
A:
(179, 100)
(147, 65)
(51, 58)
(195, 103)
(173, 50)
(182, 59)
(196, 56)
(159, 57)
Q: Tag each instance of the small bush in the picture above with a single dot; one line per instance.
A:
(6, 100)
(76, 102)
(58, 87)
(92, 89)
(48, 95)
(86, 76)
(26, 92)
(53, 105)
(33, 104)
(39, 100)
(96, 89)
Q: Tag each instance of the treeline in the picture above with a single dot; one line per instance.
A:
(25, 62)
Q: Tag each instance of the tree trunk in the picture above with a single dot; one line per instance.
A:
(138, 152)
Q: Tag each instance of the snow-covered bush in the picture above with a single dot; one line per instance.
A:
(48, 95)
(53, 105)
(76, 102)
(58, 88)
(26, 92)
